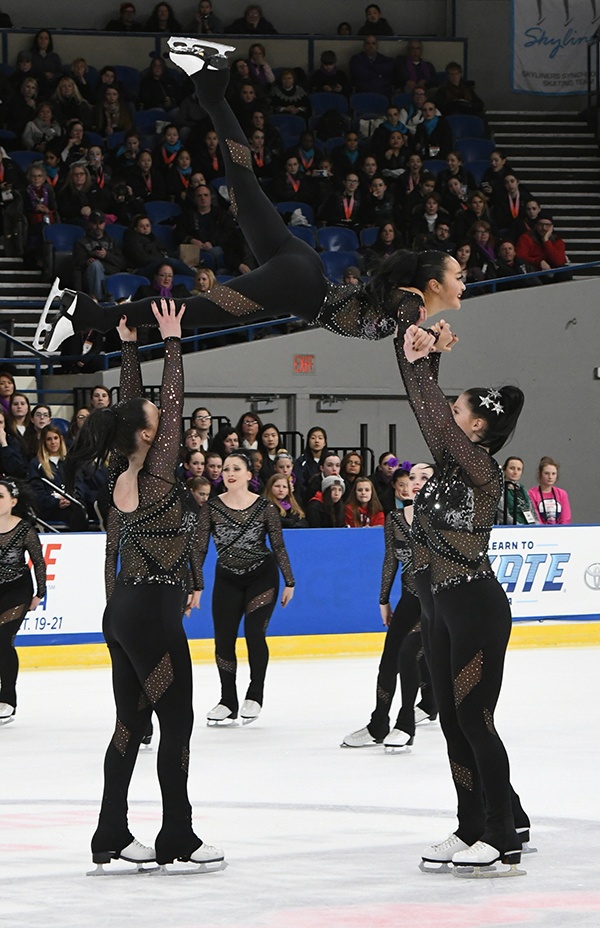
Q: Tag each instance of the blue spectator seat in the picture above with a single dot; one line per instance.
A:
(435, 166)
(306, 233)
(321, 102)
(467, 127)
(6, 70)
(475, 149)
(369, 236)
(94, 138)
(24, 159)
(402, 100)
(58, 251)
(477, 169)
(61, 424)
(288, 206)
(336, 262)
(145, 120)
(224, 278)
(161, 210)
(371, 104)
(7, 136)
(331, 144)
(114, 140)
(62, 235)
(288, 124)
(116, 231)
(122, 286)
(336, 238)
(130, 78)
(166, 237)
(217, 182)
(184, 279)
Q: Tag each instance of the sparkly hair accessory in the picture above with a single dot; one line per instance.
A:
(490, 401)
(11, 487)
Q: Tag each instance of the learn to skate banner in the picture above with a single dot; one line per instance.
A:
(547, 572)
(549, 45)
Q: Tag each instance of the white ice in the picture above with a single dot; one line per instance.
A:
(315, 835)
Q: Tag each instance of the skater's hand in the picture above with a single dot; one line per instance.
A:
(386, 613)
(125, 333)
(417, 343)
(446, 338)
(193, 602)
(34, 603)
(286, 596)
(169, 320)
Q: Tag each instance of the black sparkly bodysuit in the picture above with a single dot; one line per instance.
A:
(13, 546)
(398, 550)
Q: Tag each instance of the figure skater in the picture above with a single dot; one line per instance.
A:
(468, 620)
(17, 538)
(151, 525)
(246, 582)
(290, 278)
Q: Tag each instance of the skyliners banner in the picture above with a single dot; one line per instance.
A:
(549, 45)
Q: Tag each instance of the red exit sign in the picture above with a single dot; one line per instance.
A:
(304, 364)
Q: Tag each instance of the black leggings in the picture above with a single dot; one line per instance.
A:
(290, 278)
(466, 631)
(253, 595)
(151, 670)
(401, 655)
(15, 598)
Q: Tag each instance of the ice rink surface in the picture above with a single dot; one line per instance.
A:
(315, 836)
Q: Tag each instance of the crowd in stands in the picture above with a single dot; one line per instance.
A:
(324, 487)
(96, 153)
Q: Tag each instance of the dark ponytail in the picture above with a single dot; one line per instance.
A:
(406, 269)
(501, 410)
(113, 427)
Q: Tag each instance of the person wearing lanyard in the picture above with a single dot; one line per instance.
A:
(550, 502)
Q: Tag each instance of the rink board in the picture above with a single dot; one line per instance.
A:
(551, 576)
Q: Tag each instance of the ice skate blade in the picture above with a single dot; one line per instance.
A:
(249, 719)
(123, 871)
(7, 720)
(435, 866)
(397, 749)
(191, 55)
(527, 849)
(43, 327)
(179, 868)
(481, 872)
(222, 723)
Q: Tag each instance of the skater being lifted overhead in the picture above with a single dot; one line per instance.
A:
(290, 278)
(466, 619)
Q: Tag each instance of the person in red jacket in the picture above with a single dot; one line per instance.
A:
(542, 248)
(363, 508)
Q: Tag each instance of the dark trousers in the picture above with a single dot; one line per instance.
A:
(254, 596)
(151, 670)
(466, 632)
(15, 598)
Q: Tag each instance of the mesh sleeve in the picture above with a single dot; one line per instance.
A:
(112, 551)
(131, 375)
(163, 456)
(275, 533)
(34, 548)
(390, 562)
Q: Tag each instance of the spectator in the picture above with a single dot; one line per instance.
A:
(178, 178)
(375, 24)
(388, 241)
(351, 276)
(477, 210)
(412, 115)
(259, 69)
(514, 507)
(371, 71)
(483, 249)
(158, 87)
(260, 120)
(542, 248)
(509, 207)
(329, 78)
(381, 478)
(163, 19)
(80, 73)
(41, 416)
(409, 182)
(287, 96)
(306, 152)
(492, 182)
(245, 103)
(454, 198)
(509, 265)
(213, 471)
(264, 161)
(351, 468)
(395, 158)
(329, 466)
(78, 420)
(424, 219)
(456, 169)
(47, 65)
(204, 281)
(278, 491)
(192, 440)
(76, 197)
(146, 182)
(210, 160)
(112, 113)
(193, 463)
(100, 174)
(457, 95)
(380, 140)
(380, 205)
(550, 503)
(207, 226)
(97, 256)
(19, 414)
(307, 464)
(108, 78)
(347, 207)
(144, 252)
(363, 508)
(75, 144)
(99, 397)
(69, 104)
(7, 389)
(225, 441)
(251, 23)
(201, 420)
(48, 464)
(23, 106)
(348, 157)
(13, 462)
(441, 240)
(126, 21)
(292, 184)
(344, 28)
(199, 487)
(247, 428)
(412, 70)
(41, 130)
(269, 442)
(326, 508)
(39, 202)
(162, 285)
(433, 138)
(470, 274)
(205, 22)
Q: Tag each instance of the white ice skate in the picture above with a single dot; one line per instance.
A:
(526, 848)
(7, 713)
(476, 862)
(192, 54)
(205, 859)
(250, 711)
(422, 718)
(398, 742)
(135, 853)
(359, 739)
(437, 858)
(49, 336)
(220, 715)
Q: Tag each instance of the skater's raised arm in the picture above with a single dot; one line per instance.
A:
(131, 375)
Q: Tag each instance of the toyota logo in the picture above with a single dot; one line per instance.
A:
(592, 577)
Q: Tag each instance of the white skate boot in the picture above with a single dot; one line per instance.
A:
(439, 856)
(135, 853)
(250, 711)
(359, 739)
(205, 859)
(476, 862)
(220, 715)
(192, 54)
(49, 336)
(7, 713)
(421, 717)
(397, 742)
